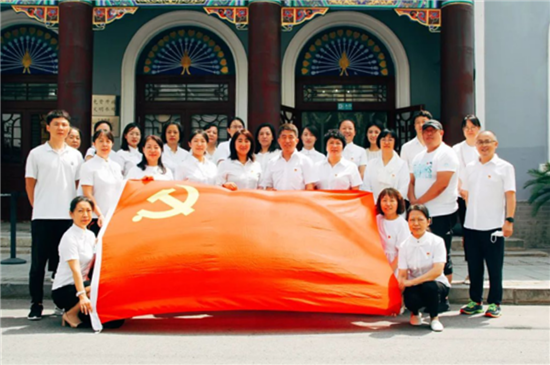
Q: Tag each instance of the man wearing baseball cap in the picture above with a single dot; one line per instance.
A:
(434, 183)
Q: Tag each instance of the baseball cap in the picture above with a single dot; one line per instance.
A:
(432, 123)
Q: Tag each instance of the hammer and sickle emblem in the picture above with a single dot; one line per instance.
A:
(178, 207)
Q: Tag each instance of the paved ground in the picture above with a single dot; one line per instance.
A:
(522, 335)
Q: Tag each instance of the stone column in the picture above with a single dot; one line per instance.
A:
(457, 66)
(264, 63)
(75, 65)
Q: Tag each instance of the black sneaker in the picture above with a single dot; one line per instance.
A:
(444, 306)
(36, 312)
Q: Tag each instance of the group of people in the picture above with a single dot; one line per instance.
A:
(428, 177)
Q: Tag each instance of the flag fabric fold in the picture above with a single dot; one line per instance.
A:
(172, 247)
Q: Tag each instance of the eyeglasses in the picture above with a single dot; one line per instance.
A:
(484, 142)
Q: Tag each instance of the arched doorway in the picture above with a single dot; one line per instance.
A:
(29, 91)
(185, 74)
(344, 73)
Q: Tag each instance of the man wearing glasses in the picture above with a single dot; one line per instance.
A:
(434, 183)
(489, 184)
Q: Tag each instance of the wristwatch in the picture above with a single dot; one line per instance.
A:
(510, 219)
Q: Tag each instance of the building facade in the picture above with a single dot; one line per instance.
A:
(306, 62)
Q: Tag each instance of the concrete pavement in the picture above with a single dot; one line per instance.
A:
(520, 336)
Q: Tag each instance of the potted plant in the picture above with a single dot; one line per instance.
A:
(540, 192)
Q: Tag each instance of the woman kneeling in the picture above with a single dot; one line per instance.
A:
(421, 260)
(76, 251)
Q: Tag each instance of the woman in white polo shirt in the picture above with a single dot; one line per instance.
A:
(101, 124)
(353, 152)
(172, 154)
(101, 178)
(310, 134)
(129, 153)
(373, 149)
(266, 145)
(151, 165)
(335, 172)
(240, 171)
(421, 260)
(387, 170)
(392, 227)
(196, 167)
(212, 130)
(70, 288)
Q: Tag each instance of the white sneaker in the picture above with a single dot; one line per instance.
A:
(58, 311)
(416, 320)
(436, 325)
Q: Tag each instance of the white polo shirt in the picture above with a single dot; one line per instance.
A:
(293, 174)
(136, 173)
(209, 156)
(393, 175)
(245, 176)
(222, 152)
(465, 153)
(105, 178)
(371, 155)
(129, 159)
(418, 256)
(193, 170)
(486, 185)
(426, 166)
(392, 234)
(56, 173)
(90, 152)
(172, 159)
(410, 150)
(264, 158)
(355, 154)
(76, 244)
(313, 154)
(342, 176)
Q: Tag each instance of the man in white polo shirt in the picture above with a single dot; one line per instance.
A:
(290, 170)
(51, 176)
(434, 183)
(489, 184)
(415, 145)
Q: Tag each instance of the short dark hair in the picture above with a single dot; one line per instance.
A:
(472, 118)
(143, 163)
(392, 193)
(231, 120)
(234, 155)
(58, 113)
(423, 113)
(76, 129)
(347, 120)
(288, 127)
(80, 199)
(388, 132)
(103, 132)
(165, 128)
(273, 146)
(100, 122)
(210, 125)
(124, 143)
(196, 132)
(419, 208)
(376, 124)
(335, 134)
(313, 130)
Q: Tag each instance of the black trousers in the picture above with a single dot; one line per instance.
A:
(94, 227)
(442, 226)
(427, 294)
(45, 234)
(481, 250)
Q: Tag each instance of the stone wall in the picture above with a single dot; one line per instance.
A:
(534, 230)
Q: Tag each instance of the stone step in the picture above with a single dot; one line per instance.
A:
(511, 244)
